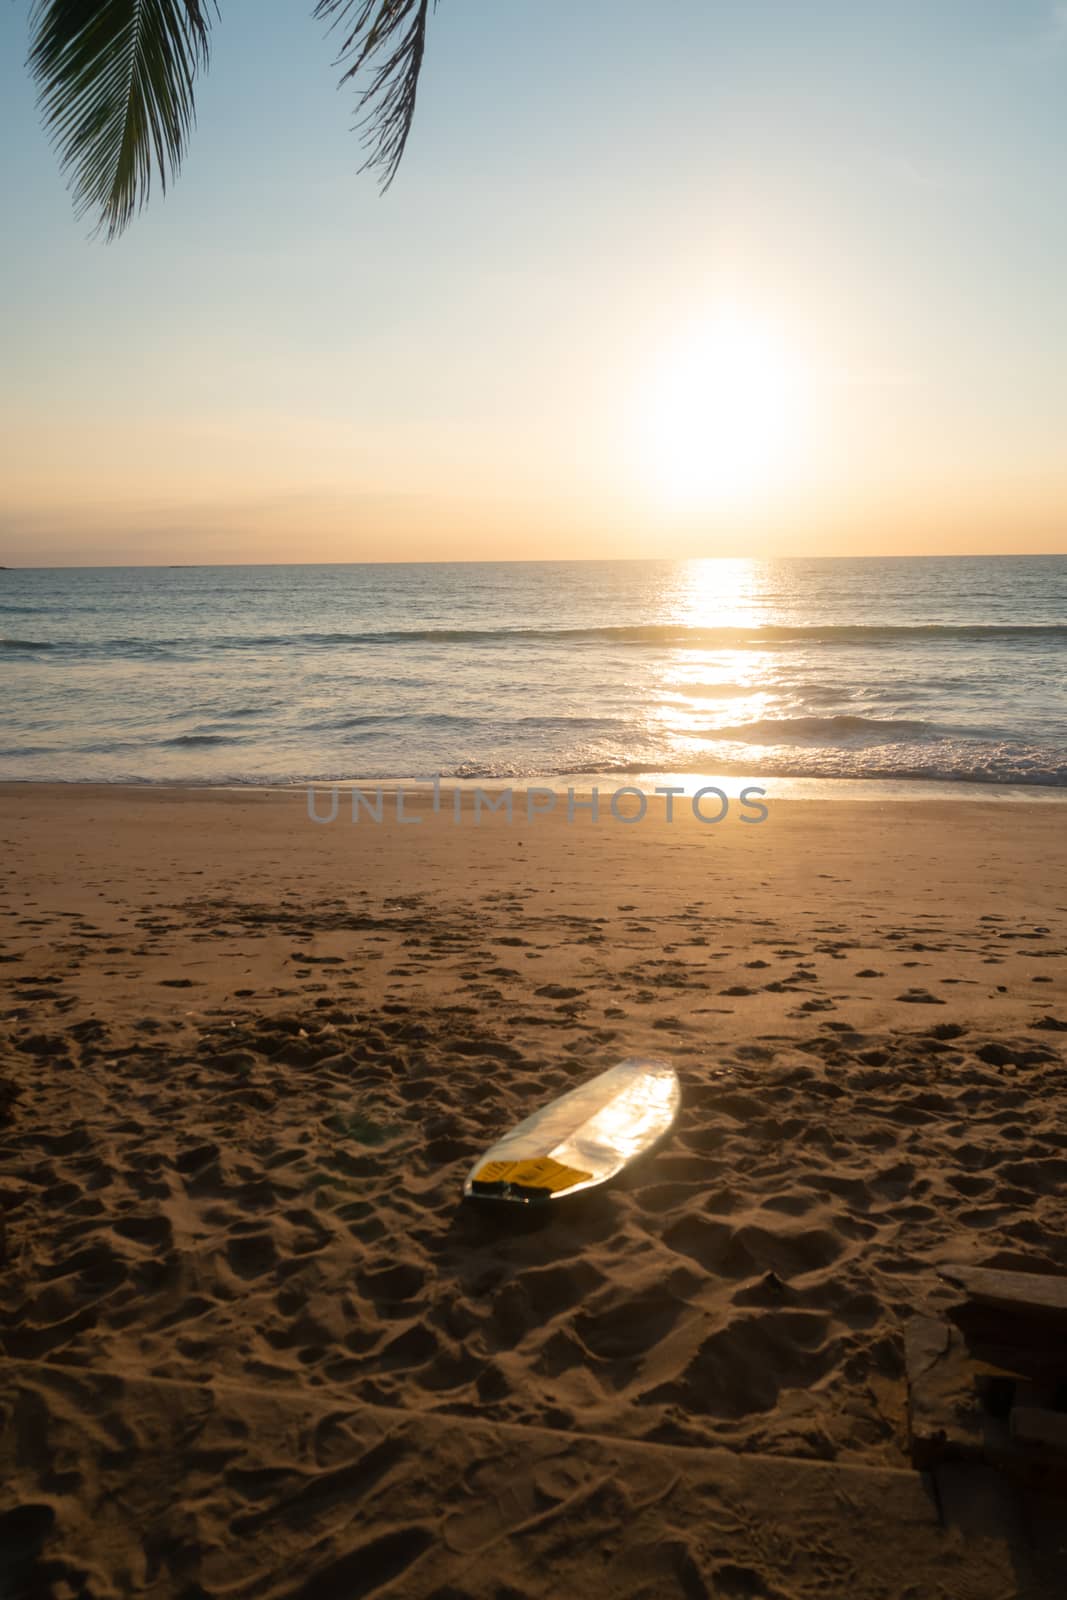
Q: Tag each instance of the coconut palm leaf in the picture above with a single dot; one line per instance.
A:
(116, 88)
(388, 37)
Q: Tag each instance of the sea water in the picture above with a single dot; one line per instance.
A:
(940, 669)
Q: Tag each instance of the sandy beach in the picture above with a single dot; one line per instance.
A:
(254, 1346)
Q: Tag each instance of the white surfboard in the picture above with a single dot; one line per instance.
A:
(582, 1139)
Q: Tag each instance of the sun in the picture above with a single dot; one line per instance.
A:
(727, 414)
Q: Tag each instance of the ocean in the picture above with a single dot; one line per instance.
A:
(936, 670)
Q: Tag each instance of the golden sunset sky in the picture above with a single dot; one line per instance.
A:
(769, 279)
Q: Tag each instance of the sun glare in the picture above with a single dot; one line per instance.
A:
(727, 414)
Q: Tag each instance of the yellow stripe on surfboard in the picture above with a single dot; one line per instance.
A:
(542, 1173)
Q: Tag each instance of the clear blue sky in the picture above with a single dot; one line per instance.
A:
(275, 363)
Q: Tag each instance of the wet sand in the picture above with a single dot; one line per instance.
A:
(252, 1343)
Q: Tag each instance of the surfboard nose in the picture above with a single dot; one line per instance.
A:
(583, 1138)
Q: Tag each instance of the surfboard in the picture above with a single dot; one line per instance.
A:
(583, 1138)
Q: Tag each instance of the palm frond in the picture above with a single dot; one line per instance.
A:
(388, 37)
(116, 90)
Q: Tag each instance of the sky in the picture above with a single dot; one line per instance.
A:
(718, 277)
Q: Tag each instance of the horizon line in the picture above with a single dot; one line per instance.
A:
(530, 561)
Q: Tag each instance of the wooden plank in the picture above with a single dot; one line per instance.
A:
(1031, 1294)
(946, 1418)
(1030, 1348)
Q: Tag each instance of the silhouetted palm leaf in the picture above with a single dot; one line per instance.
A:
(388, 37)
(116, 80)
(116, 86)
